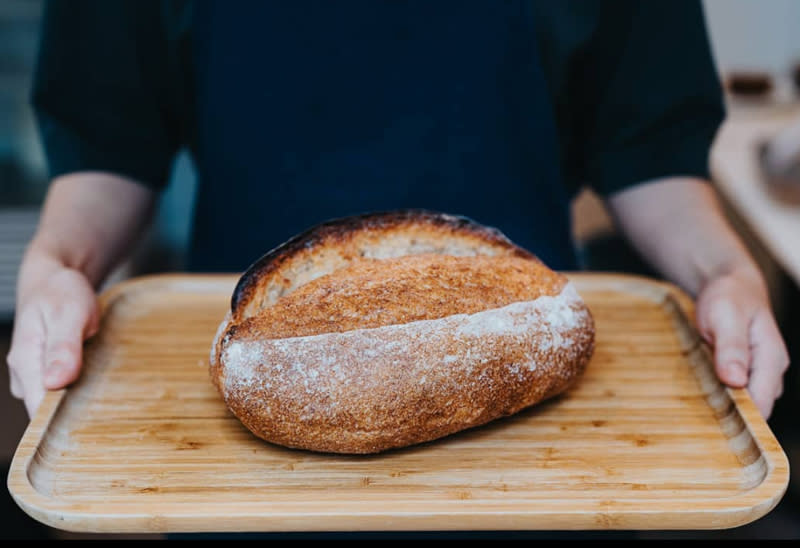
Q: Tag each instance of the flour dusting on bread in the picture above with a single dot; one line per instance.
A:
(470, 340)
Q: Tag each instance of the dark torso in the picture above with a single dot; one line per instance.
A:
(306, 112)
(297, 112)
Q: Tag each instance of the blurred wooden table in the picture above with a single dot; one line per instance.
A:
(734, 165)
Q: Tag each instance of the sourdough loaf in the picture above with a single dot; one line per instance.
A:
(385, 330)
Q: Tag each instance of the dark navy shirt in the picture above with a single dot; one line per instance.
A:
(298, 112)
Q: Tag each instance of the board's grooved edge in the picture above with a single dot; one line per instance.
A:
(764, 479)
(701, 360)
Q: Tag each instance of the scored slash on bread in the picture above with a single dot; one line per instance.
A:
(389, 329)
(334, 244)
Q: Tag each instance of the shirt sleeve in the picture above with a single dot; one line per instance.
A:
(101, 90)
(636, 93)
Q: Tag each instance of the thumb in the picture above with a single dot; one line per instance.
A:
(726, 326)
(26, 357)
(67, 325)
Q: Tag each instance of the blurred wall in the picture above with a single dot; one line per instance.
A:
(755, 34)
(22, 169)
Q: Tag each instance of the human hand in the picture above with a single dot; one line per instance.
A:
(56, 311)
(89, 221)
(678, 225)
(734, 315)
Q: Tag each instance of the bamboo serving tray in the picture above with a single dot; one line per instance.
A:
(648, 438)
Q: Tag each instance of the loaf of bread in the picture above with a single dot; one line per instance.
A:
(390, 329)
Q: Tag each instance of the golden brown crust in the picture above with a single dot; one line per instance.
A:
(331, 350)
(366, 391)
(374, 293)
(334, 244)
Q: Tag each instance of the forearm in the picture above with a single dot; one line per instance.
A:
(88, 223)
(677, 224)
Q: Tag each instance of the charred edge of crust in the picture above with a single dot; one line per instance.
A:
(339, 229)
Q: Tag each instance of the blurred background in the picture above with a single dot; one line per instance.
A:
(755, 163)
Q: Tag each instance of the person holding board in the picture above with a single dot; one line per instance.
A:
(297, 112)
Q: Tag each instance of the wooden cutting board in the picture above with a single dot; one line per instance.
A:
(648, 439)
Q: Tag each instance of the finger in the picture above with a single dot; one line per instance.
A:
(15, 384)
(92, 326)
(779, 393)
(770, 361)
(65, 326)
(34, 394)
(26, 355)
(727, 326)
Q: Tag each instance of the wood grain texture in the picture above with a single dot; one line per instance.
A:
(648, 439)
